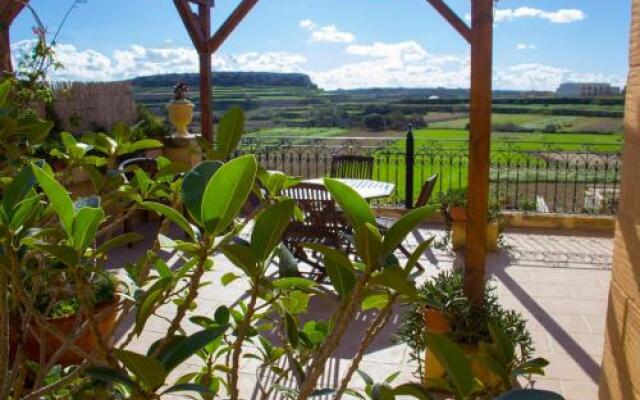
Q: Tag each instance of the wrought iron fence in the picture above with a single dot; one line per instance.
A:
(525, 175)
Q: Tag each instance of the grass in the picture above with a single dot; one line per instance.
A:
(298, 132)
(450, 161)
(538, 122)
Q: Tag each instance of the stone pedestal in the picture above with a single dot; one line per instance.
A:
(183, 150)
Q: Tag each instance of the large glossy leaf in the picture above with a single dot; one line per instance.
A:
(188, 387)
(58, 197)
(143, 144)
(85, 226)
(292, 330)
(269, 228)
(394, 278)
(147, 369)
(193, 185)
(23, 211)
(415, 256)
(415, 390)
(530, 394)
(454, 361)
(173, 215)
(118, 241)
(381, 391)
(242, 257)
(226, 193)
(172, 356)
(339, 268)
(16, 191)
(64, 254)
(354, 207)
(405, 225)
(149, 301)
(369, 245)
(230, 130)
(109, 375)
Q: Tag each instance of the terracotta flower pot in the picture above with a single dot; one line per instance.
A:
(66, 325)
(181, 115)
(458, 213)
(436, 322)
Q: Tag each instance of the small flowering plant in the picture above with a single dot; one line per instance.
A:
(180, 91)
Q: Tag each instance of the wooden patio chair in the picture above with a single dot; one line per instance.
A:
(423, 200)
(352, 167)
(321, 223)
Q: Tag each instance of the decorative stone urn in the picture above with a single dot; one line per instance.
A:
(180, 115)
(180, 109)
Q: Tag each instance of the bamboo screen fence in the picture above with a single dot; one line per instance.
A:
(82, 107)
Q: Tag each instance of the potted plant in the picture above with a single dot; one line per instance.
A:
(443, 309)
(454, 203)
(180, 109)
(60, 304)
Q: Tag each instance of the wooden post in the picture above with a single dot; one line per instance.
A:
(206, 83)
(9, 10)
(5, 51)
(479, 147)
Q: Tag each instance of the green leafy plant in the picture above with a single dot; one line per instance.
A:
(445, 292)
(454, 197)
(498, 358)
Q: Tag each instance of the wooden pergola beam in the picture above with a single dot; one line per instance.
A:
(198, 27)
(479, 147)
(452, 18)
(192, 24)
(9, 11)
(480, 37)
(230, 24)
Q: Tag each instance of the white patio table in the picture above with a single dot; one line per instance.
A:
(368, 189)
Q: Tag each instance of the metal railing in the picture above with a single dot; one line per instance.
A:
(565, 177)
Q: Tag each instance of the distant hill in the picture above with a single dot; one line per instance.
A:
(244, 79)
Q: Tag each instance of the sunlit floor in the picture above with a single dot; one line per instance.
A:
(558, 280)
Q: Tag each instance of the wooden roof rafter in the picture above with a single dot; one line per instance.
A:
(198, 25)
(452, 18)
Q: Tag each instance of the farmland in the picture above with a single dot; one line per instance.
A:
(562, 146)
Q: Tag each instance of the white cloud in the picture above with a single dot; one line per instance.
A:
(525, 46)
(561, 16)
(330, 33)
(92, 65)
(403, 64)
(535, 76)
(307, 24)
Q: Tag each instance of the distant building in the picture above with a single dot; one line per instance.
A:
(587, 89)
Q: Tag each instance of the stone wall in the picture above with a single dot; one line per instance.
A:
(621, 361)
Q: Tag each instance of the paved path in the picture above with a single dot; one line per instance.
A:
(560, 282)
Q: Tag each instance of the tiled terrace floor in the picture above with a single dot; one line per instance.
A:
(559, 281)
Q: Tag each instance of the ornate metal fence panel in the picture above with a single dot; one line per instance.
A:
(524, 175)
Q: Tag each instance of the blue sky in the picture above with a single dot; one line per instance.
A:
(345, 43)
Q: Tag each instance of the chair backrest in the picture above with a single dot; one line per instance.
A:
(318, 208)
(354, 167)
(147, 164)
(426, 191)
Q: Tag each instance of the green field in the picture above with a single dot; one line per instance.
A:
(538, 122)
(450, 165)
